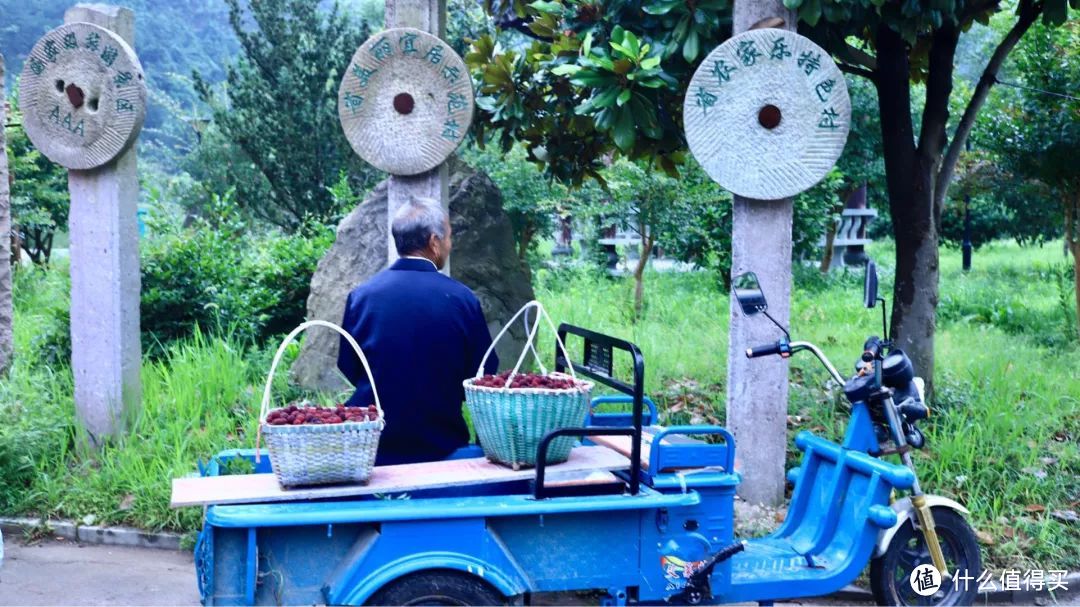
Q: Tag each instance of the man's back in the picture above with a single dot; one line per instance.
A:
(423, 333)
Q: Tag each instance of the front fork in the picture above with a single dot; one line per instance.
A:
(918, 499)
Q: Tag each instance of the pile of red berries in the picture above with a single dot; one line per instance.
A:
(309, 415)
(527, 380)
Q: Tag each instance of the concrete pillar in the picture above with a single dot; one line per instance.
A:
(6, 347)
(106, 353)
(757, 398)
(428, 16)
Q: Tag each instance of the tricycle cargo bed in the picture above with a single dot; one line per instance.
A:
(645, 515)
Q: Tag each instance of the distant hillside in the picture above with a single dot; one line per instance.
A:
(172, 37)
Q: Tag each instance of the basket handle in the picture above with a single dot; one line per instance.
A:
(541, 312)
(264, 407)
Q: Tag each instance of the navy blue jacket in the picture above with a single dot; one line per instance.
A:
(423, 333)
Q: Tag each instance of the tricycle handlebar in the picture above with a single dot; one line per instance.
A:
(780, 347)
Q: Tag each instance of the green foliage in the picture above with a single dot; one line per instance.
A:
(39, 195)
(609, 77)
(277, 117)
(530, 200)
(1032, 136)
(218, 275)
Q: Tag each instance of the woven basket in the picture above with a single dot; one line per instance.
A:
(321, 454)
(511, 422)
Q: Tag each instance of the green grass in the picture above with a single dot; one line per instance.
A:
(1003, 437)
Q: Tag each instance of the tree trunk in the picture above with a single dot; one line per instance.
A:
(1072, 244)
(830, 237)
(910, 179)
(1076, 282)
(639, 273)
(915, 294)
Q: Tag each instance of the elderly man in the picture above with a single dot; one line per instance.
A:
(423, 333)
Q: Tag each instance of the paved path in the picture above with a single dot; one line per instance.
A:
(65, 573)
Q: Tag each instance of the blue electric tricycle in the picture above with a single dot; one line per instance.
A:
(662, 532)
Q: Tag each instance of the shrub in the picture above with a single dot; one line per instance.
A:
(218, 275)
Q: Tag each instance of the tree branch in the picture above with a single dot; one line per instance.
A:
(857, 71)
(856, 56)
(1029, 11)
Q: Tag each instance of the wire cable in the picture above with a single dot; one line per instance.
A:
(1037, 90)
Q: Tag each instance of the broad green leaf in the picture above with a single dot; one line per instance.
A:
(661, 8)
(546, 6)
(691, 47)
(650, 62)
(566, 69)
(681, 28)
(607, 98)
(624, 130)
(811, 12)
(587, 77)
(624, 96)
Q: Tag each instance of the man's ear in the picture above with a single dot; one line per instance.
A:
(433, 243)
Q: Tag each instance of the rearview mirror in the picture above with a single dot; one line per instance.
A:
(870, 285)
(748, 293)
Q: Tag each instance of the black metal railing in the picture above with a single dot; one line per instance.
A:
(598, 364)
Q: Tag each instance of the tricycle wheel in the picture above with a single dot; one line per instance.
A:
(439, 587)
(890, 574)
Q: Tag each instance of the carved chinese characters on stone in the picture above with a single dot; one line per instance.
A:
(83, 96)
(406, 101)
(767, 114)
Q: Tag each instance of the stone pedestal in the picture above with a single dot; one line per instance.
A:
(106, 353)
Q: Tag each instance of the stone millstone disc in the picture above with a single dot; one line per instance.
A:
(82, 95)
(767, 114)
(406, 101)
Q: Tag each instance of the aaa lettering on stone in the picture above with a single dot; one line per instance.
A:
(70, 41)
(93, 41)
(124, 106)
(66, 122)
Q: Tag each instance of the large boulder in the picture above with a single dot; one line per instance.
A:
(484, 259)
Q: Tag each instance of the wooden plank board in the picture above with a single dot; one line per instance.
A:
(259, 488)
(623, 445)
(580, 479)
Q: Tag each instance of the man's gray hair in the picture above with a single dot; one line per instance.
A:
(415, 222)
